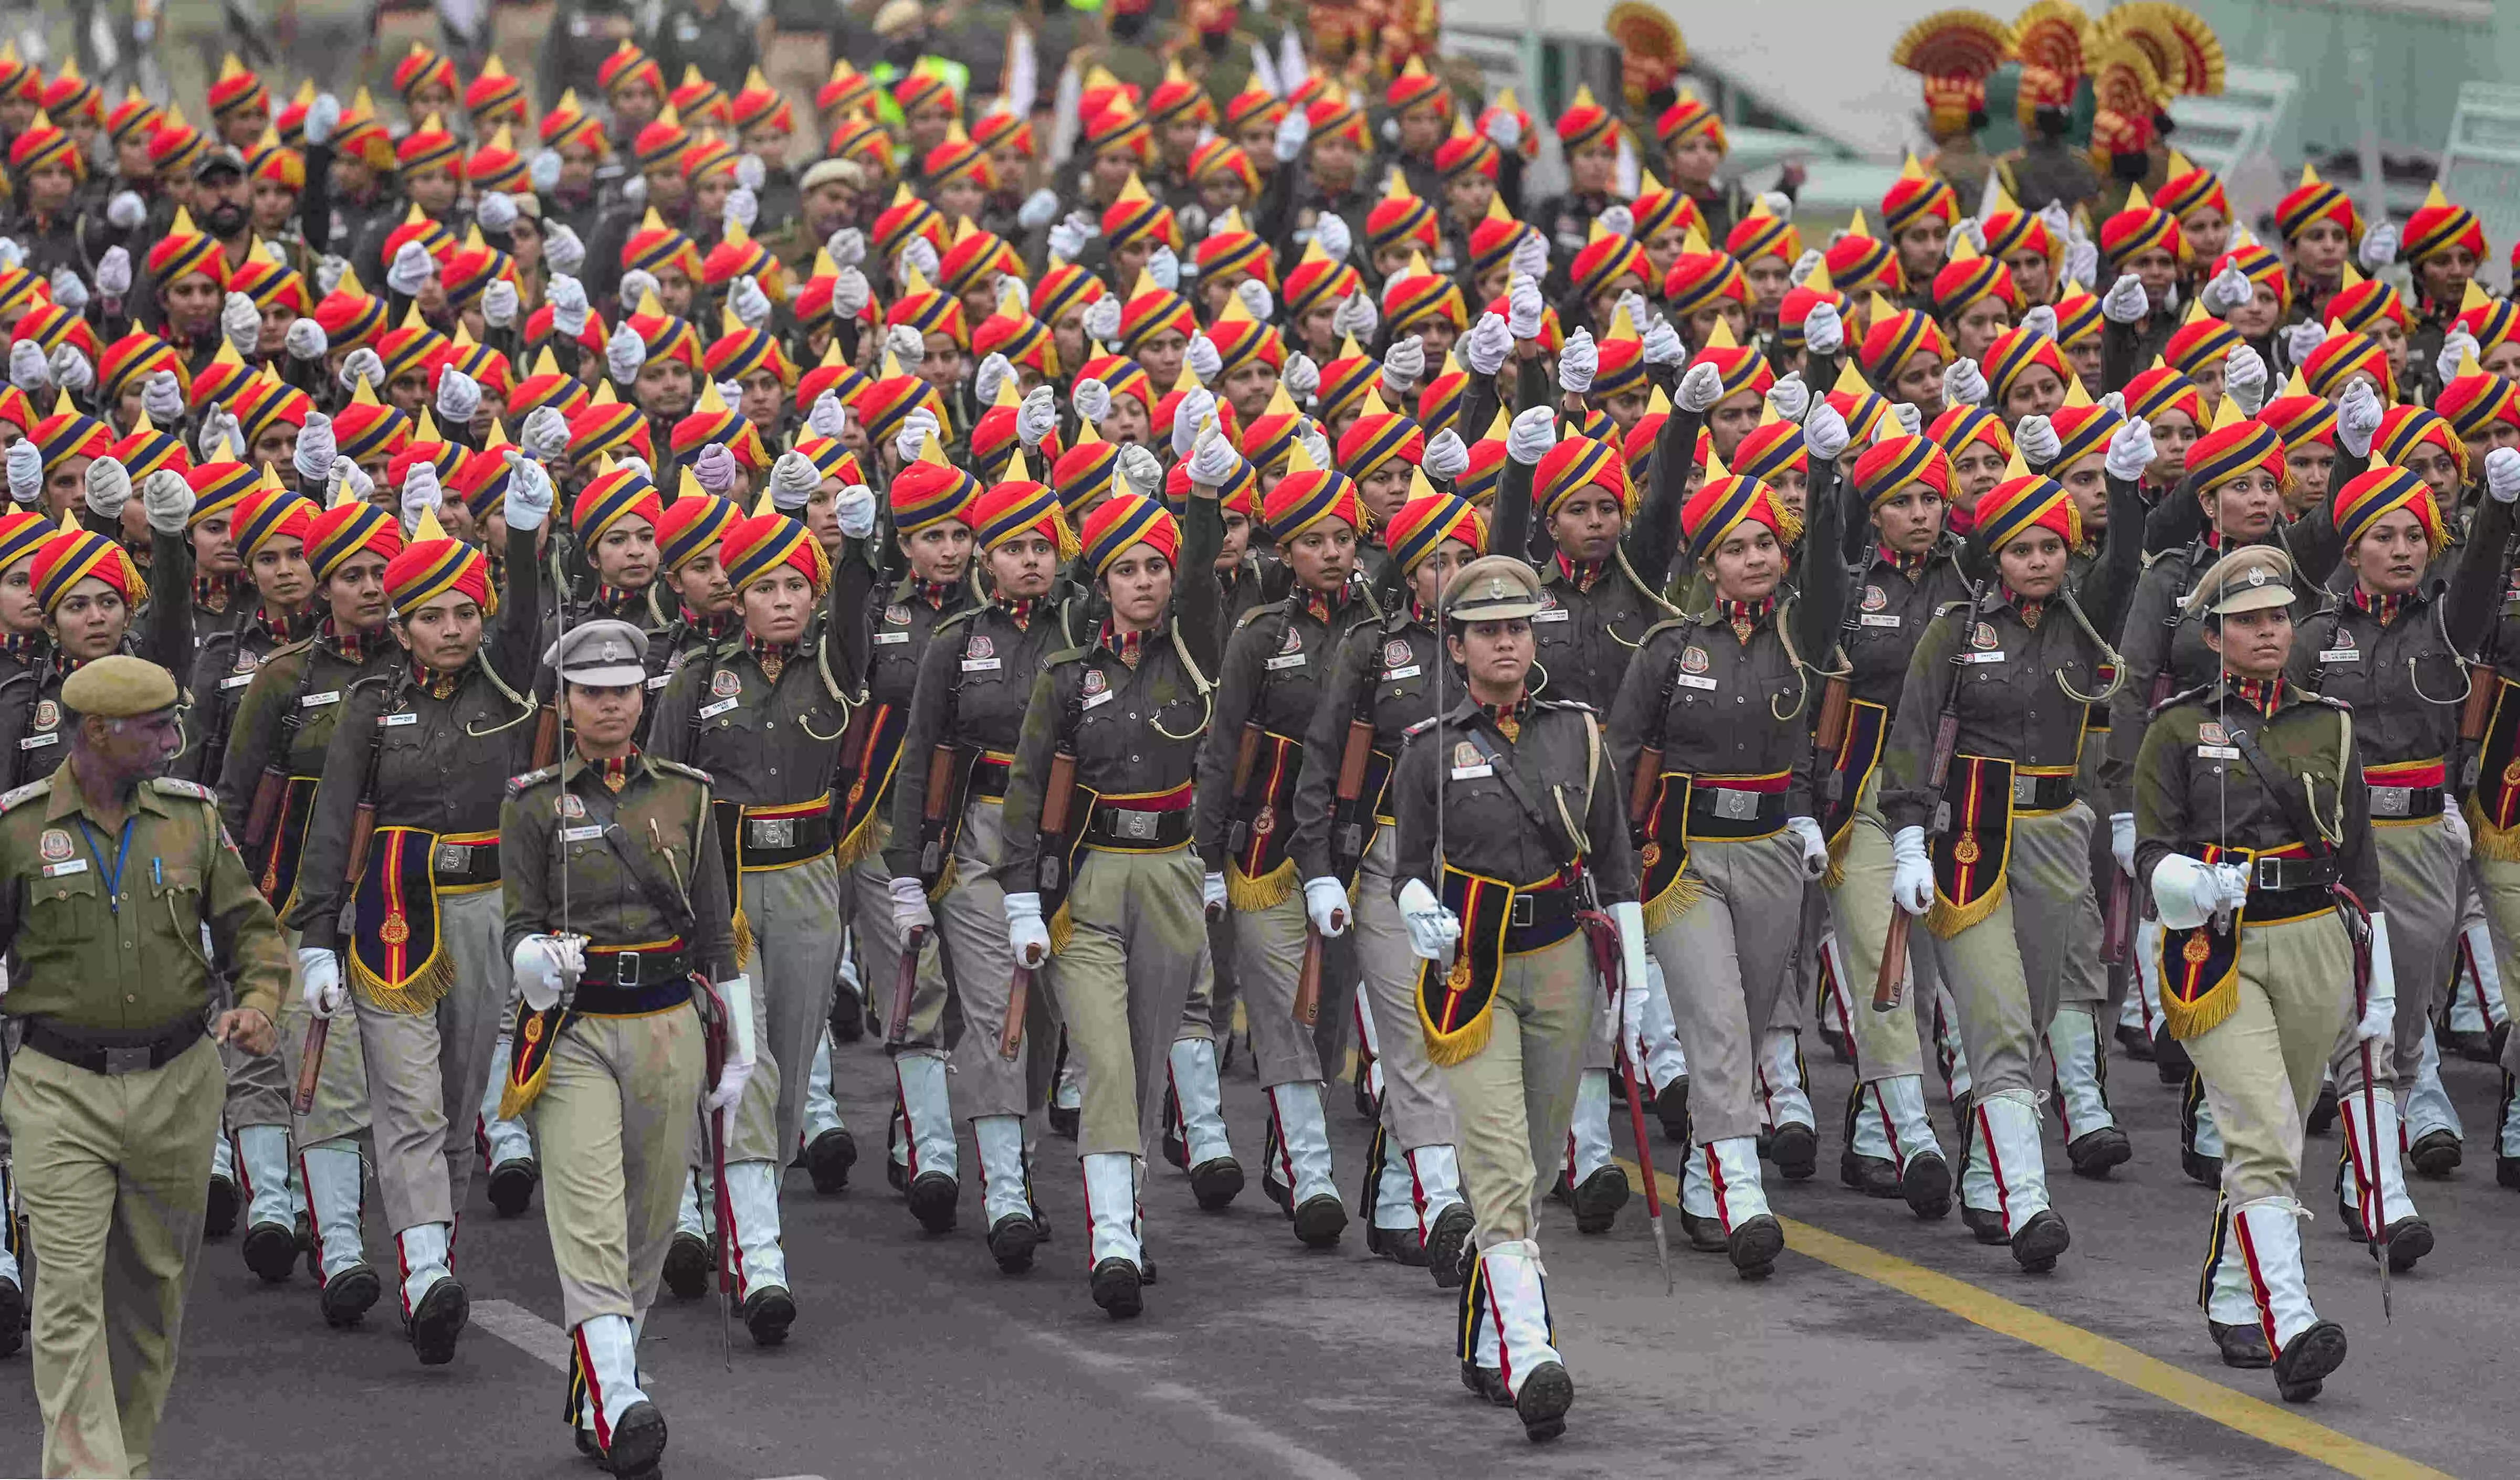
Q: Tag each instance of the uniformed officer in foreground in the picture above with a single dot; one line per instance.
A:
(116, 1104)
(2250, 814)
(617, 924)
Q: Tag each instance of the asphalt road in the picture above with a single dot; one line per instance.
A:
(1901, 1349)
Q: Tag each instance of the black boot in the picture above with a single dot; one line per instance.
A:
(2323, 1111)
(270, 1251)
(348, 1295)
(511, 1186)
(1449, 1251)
(1215, 1183)
(437, 1321)
(2243, 1345)
(218, 1218)
(1116, 1290)
(2093, 1152)
(1546, 1394)
(829, 1159)
(1599, 1200)
(2136, 1043)
(687, 1265)
(2169, 1057)
(1671, 1107)
(767, 1313)
(638, 1443)
(2435, 1154)
(2040, 1240)
(932, 1198)
(1987, 1227)
(1795, 1149)
(1873, 1175)
(1010, 1243)
(1399, 1245)
(1754, 1245)
(2302, 1366)
(1927, 1184)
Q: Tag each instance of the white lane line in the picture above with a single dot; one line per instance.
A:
(524, 1330)
(1230, 1425)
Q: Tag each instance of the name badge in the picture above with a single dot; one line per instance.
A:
(74, 866)
(1096, 700)
(1880, 619)
(884, 637)
(2219, 752)
(235, 681)
(313, 700)
(580, 834)
(2340, 654)
(33, 740)
(712, 711)
(394, 721)
(1981, 657)
(1285, 660)
(1552, 614)
(660, 682)
(1695, 681)
(1467, 772)
(1411, 671)
(981, 664)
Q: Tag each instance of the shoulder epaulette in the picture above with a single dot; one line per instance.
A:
(285, 649)
(679, 768)
(1063, 656)
(518, 786)
(19, 796)
(956, 619)
(1245, 620)
(2329, 700)
(1947, 607)
(2199, 694)
(1666, 624)
(373, 678)
(1423, 725)
(1564, 703)
(168, 786)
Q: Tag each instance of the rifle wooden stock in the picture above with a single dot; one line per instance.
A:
(1245, 756)
(853, 744)
(905, 983)
(547, 736)
(1890, 983)
(310, 1064)
(1641, 790)
(268, 789)
(1836, 697)
(2118, 922)
(1354, 757)
(1308, 982)
(943, 763)
(363, 830)
(1018, 1001)
(1058, 801)
(2483, 683)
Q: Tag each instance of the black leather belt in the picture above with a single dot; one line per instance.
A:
(989, 779)
(115, 1051)
(1719, 812)
(2400, 802)
(2283, 888)
(773, 842)
(457, 866)
(1131, 827)
(2042, 793)
(631, 983)
(1540, 918)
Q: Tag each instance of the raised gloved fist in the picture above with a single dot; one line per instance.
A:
(2303, 339)
(994, 371)
(567, 299)
(1619, 220)
(624, 354)
(2041, 321)
(1404, 364)
(851, 293)
(1038, 210)
(563, 249)
(636, 286)
(1530, 436)
(363, 363)
(1203, 360)
(499, 304)
(1485, 347)
(1823, 329)
(1092, 400)
(26, 471)
(2502, 475)
(1164, 267)
(241, 325)
(542, 171)
(1140, 470)
(1825, 432)
(742, 207)
(1911, 418)
(2379, 245)
(459, 396)
(1301, 375)
(2358, 419)
(847, 246)
(167, 500)
(1446, 458)
(1964, 383)
(410, 269)
(2131, 450)
(1256, 299)
(1294, 131)
(715, 470)
(126, 211)
(546, 434)
(162, 397)
(2456, 346)
(109, 488)
(315, 448)
(29, 369)
(2035, 437)
(114, 272)
(1524, 312)
(1102, 319)
(2225, 290)
(323, 116)
(1790, 396)
(1196, 409)
(1530, 258)
(1336, 240)
(2245, 379)
(750, 304)
(2126, 301)
(1805, 265)
(1504, 129)
(1701, 386)
(1577, 362)
(1662, 344)
(916, 430)
(528, 500)
(421, 494)
(71, 370)
(853, 508)
(1356, 317)
(2082, 264)
(496, 210)
(828, 418)
(1213, 462)
(792, 482)
(1037, 417)
(1068, 239)
(70, 291)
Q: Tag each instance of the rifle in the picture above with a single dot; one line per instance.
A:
(1347, 837)
(946, 764)
(1890, 983)
(363, 822)
(1643, 786)
(905, 984)
(1246, 757)
(273, 784)
(1059, 799)
(2117, 918)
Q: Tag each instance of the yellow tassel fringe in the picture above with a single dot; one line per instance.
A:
(863, 839)
(1948, 919)
(742, 936)
(1463, 1044)
(1837, 841)
(2208, 1013)
(2502, 845)
(1062, 929)
(1269, 889)
(1673, 903)
(418, 994)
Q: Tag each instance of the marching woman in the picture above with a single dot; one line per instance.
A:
(614, 899)
(969, 701)
(2003, 881)
(2253, 829)
(2389, 650)
(1110, 901)
(1266, 697)
(268, 789)
(1715, 711)
(763, 721)
(1499, 886)
(1382, 675)
(410, 796)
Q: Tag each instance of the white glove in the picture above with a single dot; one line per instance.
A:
(1577, 362)
(1038, 416)
(71, 370)
(1966, 229)
(527, 502)
(2126, 301)
(1824, 432)
(1102, 319)
(1211, 895)
(2082, 262)
(1911, 872)
(1661, 344)
(751, 172)
(1203, 360)
(1701, 387)
(1068, 239)
(1143, 473)
(1092, 400)
(70, 292)
(1815, 846)
(994, 371)
(2186, 892)
(1325, 905)
(2358, 419)
(363, 363)
(1530, 257)
(305, 340)
(742, 207)
(26, 471)
(1911, 418)
(634, 191)
(11, 253)
(624, 353)
(1790, 396)
(750, 304)
(323, 116)
(2502, 475)
(2131, 450)
(346, 479)
(2227, 290)
(162, 397)
(1447, 459)
(847, 246)
(546, 434)
(1433, 931)
(633, 289)
(1197, 407)
(28, 370)
(1488, 343)
(736, 1074)
(320, 972)
(1315, 443)
(1533, 433)
(164, 496)
(1357, 316)
(916, 430)
(1964, 383)
(1332, 233)
(1301, 375)
(1164, 268)
(851, 293)
(545, 965)
(829, 417)
(220, 437)
(910, 910)
(496, 210)
(1823, 329)
(2122, 841)
(2453, 821)
(1014, 299)
(567, 298)
(1026, 932)
(918, 252)
(1213, 462)
(1805, 265)
(1256, 299)
(114, 272)
(1523, 309)
(1503, 130)
(2303, 339)
(1619, 220)
(2379, 249)
(1404, 364)
(854, 511)
(2041, 321)
(2380, 1007)
(499, 304)
(410, 270)
(109, 488)
(2245, 379)
(421, 493)
(1038, 209)
(792, 482)
(125, 210)
(1294, 131)
(542, 173)
(459, 395)
(315, 448)
(1637, 973)
(2457, 345)
(2115, 401)
(563, 249)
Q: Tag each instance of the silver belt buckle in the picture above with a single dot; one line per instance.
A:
(1519, 915)
(2269, 874)
(454, 858)
(625, 969)
(126, 1060)
(2392, 801)
(773, 831)
(2025, 790)
(1136, 825)
(1736, 806)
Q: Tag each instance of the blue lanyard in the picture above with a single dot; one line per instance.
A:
(112, 877)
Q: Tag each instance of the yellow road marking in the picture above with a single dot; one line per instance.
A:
(2272, 1422)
